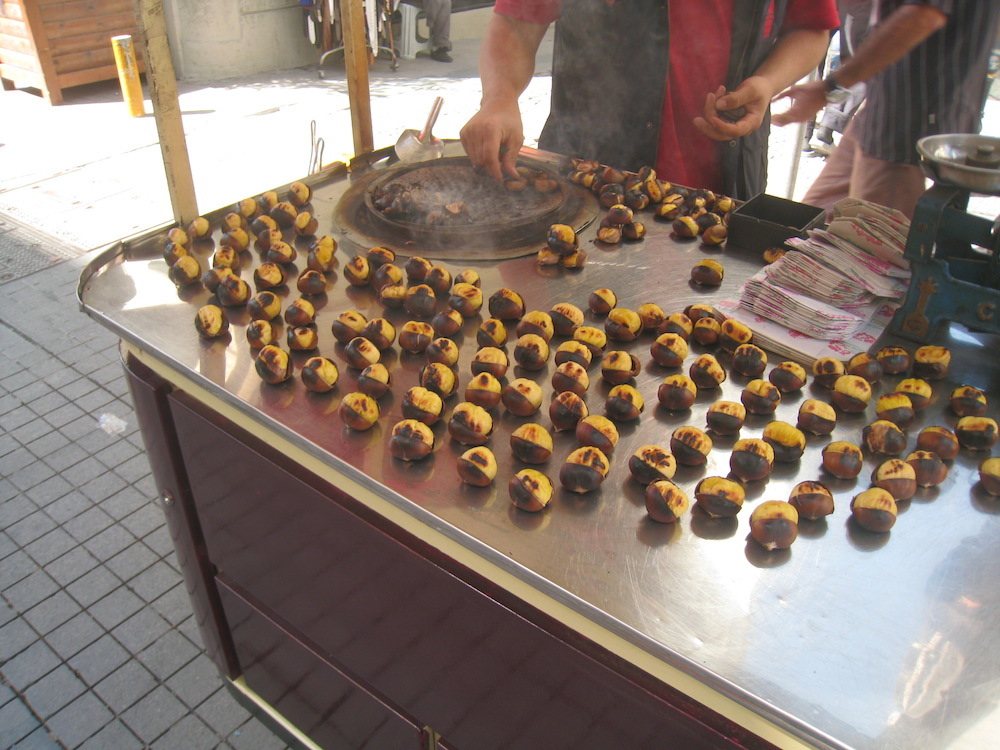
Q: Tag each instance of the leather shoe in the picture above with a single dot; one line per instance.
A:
(441, 55)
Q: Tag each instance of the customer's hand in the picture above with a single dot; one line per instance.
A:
(807, 99)
(493, 138)
(749, 100)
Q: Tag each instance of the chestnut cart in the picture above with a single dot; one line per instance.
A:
(360, 601)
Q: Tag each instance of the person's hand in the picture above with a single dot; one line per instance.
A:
(807, 99)
(753, 95)
(493, 138)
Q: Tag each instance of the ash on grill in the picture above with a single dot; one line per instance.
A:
(457, 195)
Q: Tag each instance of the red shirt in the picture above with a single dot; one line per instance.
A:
(699, 61)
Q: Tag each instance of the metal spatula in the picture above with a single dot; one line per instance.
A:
(421, 145)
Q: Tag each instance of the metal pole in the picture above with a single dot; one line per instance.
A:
(128, 74)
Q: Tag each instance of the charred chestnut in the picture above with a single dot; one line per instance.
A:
(566, 318)
(311, 282)
(865, 366)
(279, 252)
(665, 501)
(393, 295)
(788, 377)
(531, 443)
(749, 360)
(826, 371)
(883, 436)
(812, 500)
(301, 312)
(506, 304)
(976, 433)
(774, 525)
(677, 393)
(380, 332)
(269, 276)
(187, 270)
(690, 446)
(678, 323)
(358, 271)
(619, 367)
(707, 272)
(299, 194)
(896, 477)
(842, 459)
(416, 269)
(522, 397)
(260, 333)
(447, 322)
(422, 404)
(348, 325)
(442, 350)
(491, 332)
(439, 279)
(566, 410)
(685, 226)
(570, 376)
(651, 463)
(760, 397)
(379, 256)
(874, 509)
(467, 299)
(733, 334)
(584, 470)
(939, 440)
(719, 497)
(706, 372)
(477, 466)
(302, 338)
(894, 359)
(490, 359)
(470, 424)
(530, 490)
(232, 291)
(321, 254)
(931, 362)
(624, 403)
(669, 350)
(384, 274)
(967, 401)
(319, 374)
(597, 431)
(415, 336)
(706, 331)
(374, 380)
(787, 441)
(359, 352)
(531, 352)
(438, 378)
(273, 365)
(411, 440)
(751, 459)
(211, 321)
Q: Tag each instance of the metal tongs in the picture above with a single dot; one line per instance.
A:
(421, 146)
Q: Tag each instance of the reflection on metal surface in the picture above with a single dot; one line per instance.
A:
(819, 637)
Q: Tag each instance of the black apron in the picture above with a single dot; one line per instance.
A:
(609, 73)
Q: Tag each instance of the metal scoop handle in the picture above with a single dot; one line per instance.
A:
(425, 134)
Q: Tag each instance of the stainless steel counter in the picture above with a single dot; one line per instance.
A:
(848, 639)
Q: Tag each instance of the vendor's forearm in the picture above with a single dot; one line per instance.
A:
(907, 27)
(794, 54)
(507, 57)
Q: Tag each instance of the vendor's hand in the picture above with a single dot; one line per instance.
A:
(754, 94)
(807, 99)
(493, 138)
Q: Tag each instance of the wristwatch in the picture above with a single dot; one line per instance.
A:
(835, 93)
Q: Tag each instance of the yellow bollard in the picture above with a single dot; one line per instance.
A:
(128, 74)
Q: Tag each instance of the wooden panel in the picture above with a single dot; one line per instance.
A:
(106, 25)
(21, 61)
(22, 78)
(91, 75)
(62, 11)
(17, 50)
(11, 28)
(13, 11)
(319, 700)
(84, 60)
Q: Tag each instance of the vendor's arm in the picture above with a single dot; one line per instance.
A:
(495, 133)
(794, 54)
(903, 30)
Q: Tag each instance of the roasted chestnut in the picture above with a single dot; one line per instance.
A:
(919, 392)
(651, 463)
(374, 380)
(380, 256)
(751, 459)
(817, 417)
(522, 397)
(226, 257)
(438, 278)
(469, 276)
(470, 424)
(602, 301)
(895, 407)
(706, 331)
(200, 228)
(967, 401)
(749, 360)
(677, 393)
(438, 378)
(690, 446)
(624, 403)
(865, 366)
(826, 371)
(490, 359)
(733, 334)
(278, 252)
(719, 497)
(573, 351)
(669, 350)
(537, 323)
(269, 276)
(851, 393)
(989, 475)
(415, 336)
(787, 376)
(707, 272)
(185, 270)
(506, 304)
(301, 312)
(422, 404)
(239, 240)
(416, 269)
(284, 213)
(447, 322)
(359, 352)
(685, 226)
(211, 321)
(232, 291)
(665, 501)
(883, 436)
(842, 459)
(305, 224)
(896, 477)
(570, 376)
(976, 433)
(760, 397)
(930, 469)
(319, 374)
(597, 431)
(491, 332)
(623, 324)
(725, 417)
(699, 310)
(584, 470)
(619, 214)
(894, 359)
(812, 500)
(566, 318)
(214, 276)
(247, 208)
(311, 282)
(774, 524)
(706, 372)
(715, 234)
(939, 440)
(477, 466)
(411, 440)
(348, 325)
(531, 352)
(420, 300)
(466, 299)
(321, 254)
(260, 333)
(931, 362)
(619, 367)
(358, 271)
(530, 490)
(442, 350)
(380, 332)
(678, 323)
(566, 410)
(874, 509)
(358, 411)
(787, 441)
(393, 295)
(299, 194)
(302, 338)
(594, 338)
(531, 443)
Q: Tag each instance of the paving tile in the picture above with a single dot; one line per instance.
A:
(30, 528)
(7, 443)
(15, 636)
(54, 691)
(99, 659)
(15, 508)
(81, 719)
(32, 391)
(153, 582)
(134, 468)
(92, 586)
(116, 454)
(74, 635)
(174, 606)
(16, 567)
(80, 473)
(254, 735)
(115, 608)
(114, 736)
(160, 542)
(95, 400)
(47, 444)
(76, 388)
(196, 681)
(52, 545)
(103, 486)
(16, 380)
(7, 545)
(45, 401)
(18, 416)
(52, 612)
(63, 380)
(69, 456)
(140, 630)
(168, 653)
(222, 712)
(131, 561)
(16, 723)
(110, 542)
(28, 476)
(68, 506)
(30, 590)
(154, 714)
(7, 614)
(190, 733)
(144, 521)
(125, 501)
(71, 566)
(63, 415)
(50, 490)
(32, 431)
(31, 665)
(40, 739)
(88, 524)
(125, 686)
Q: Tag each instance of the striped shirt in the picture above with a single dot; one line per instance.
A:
(939, 87)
